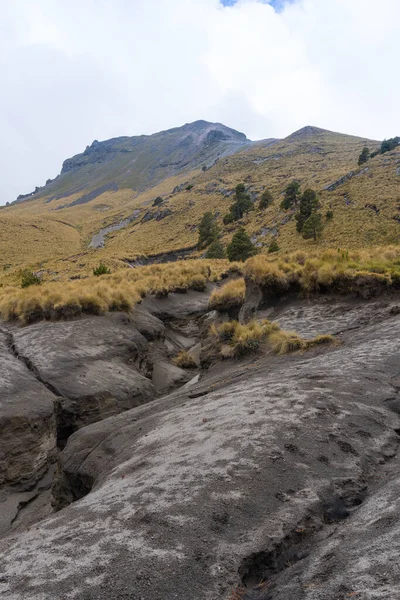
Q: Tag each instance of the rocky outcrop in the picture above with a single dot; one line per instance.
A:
(27, 422)
(90, 364)
(247, 481)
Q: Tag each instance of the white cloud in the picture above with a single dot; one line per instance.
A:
(73, 71)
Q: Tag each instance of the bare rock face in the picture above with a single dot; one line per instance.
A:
(27, 423)
(275, 479)
(89, 363)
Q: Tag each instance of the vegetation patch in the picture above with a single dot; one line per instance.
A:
(365, 272)
(237, 340)
(184, 360)
(117, 291)
(230, 295)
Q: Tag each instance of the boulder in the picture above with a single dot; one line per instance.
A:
(89, 363)
(27, 423)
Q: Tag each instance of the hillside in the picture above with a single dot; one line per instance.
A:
(110, 190)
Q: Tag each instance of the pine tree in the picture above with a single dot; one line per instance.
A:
(308, 204)
(216, 250)
(292, 193)
(312, 228)
(388, 145)
(241, 246)
(266, 200)
(273, 247)
(242, 203)
(208, 230)
(364, 156)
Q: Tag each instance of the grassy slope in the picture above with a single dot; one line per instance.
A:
(315, 157)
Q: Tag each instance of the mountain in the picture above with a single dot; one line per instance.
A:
(142, 161)
(130, 198)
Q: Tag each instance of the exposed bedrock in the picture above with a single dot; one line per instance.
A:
(248, 481)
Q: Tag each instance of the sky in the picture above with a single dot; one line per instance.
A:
(72, 71)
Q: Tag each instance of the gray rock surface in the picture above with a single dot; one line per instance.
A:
(280, 470)
(27, 423)
(89, 363)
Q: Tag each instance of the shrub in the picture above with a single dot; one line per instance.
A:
(241, 205)
(208, 230)
(292, 193)
(266, 200)
(388, 145)
(249, 338)
(189, 187)
(230, 295)
(308, 204)
(158, 201)
(329, 215)
(28, 278)
(312, 228)
(184, 360)
(101, 270)
(241, 247)
(216, 250)
(364, 156)
(273, 247)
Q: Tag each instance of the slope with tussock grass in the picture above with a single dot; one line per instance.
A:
(364, 208)
(230, 295)
(97, 295)
(364, 272)
(238, 340)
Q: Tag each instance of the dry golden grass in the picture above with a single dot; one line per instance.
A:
(228, 296)
(250, 338)
(96, 295)
(365, 271)
(184, 360)
(36, 235)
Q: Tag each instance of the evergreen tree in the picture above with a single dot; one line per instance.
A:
(208, 230)
(292, 193)
(215, 250)
(266, 200)
(388, 145)
(308, 204)
(364, 156)
(241, 205)
(241, 246)
(312, 228)
(273, 247)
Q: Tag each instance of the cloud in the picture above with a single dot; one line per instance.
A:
(76, 71)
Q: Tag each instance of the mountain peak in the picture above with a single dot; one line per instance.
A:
(306, 131)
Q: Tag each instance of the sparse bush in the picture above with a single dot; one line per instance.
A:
(28, 278)
(388, 145)
(292, 193)
(230, 295)
(364, 156)
(216, 250)
(208, 230)
(241, 247)
(250, 338)
(273, 247)
(312, 228)
(308, 205)
(265, 200)
(101, 270)
(241, 205)
(184, 360)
